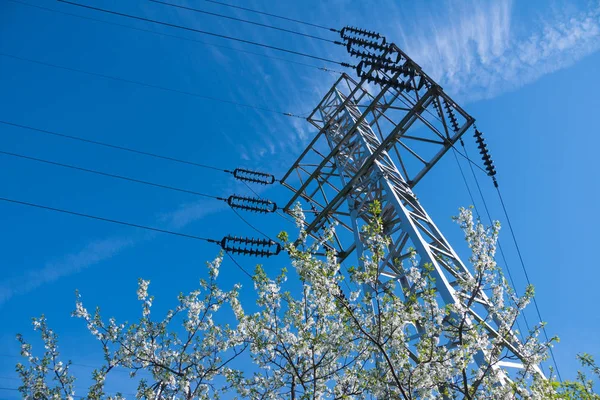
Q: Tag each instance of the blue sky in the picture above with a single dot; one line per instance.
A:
(527, 71)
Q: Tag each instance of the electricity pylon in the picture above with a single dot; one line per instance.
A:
(378, 147)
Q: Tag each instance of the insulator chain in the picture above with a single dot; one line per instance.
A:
(253, 204)
(405, 70)
(366, 55)
(253, 176)
(369, 44)
(361, 32)
(250, 246)
(436, 105)
(451, 116)
(485, 155)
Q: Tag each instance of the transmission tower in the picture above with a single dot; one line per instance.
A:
(378, 147)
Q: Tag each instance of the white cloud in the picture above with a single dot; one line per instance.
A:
(93, 253)
(481, 51)
(98, 251)
(190, 212)
(475, 49)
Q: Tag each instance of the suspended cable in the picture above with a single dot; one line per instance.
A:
(125, 178)
(466, 183)
(490, 221)
(272, 15)
(232, 244)
(177, 37)
(241, 174)
(520, 258)
(250, 225)
(241, 20)
(282, 215)
(202, 32)
(537, 309)
(148, 85)
(112, 146)
(238, 265)
(487, 211)
(113, 221)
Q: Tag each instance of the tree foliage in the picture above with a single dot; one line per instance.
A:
(342, 336)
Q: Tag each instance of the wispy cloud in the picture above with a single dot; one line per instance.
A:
(475, 49)
(93, 253)
(190, 212)
(483, 50)
(101, 250)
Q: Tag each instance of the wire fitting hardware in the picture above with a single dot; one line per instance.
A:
(250, 246)
(253, 204)
(248, 175)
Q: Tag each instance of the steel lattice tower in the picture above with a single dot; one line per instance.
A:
(378, 148)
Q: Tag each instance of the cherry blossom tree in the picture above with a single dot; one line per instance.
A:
(345, 335)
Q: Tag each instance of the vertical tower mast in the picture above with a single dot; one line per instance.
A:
(377, 148)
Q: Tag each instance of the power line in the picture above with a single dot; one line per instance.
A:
(147, 84)
(113, 146)
(240, 174)
(490, 221)
(244, 220)
(487, 211)
(276, 211)
(176, 37)
(113, 221)
(125, 178)
(272, 15)
(520, 258)
(537, 309)
(202, 32)
(238, 265)
(242, 20)
(227, 244)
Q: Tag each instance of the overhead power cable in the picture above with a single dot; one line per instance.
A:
(115, 78)
(512, 282)
(256, 205)
(113, 221)
(535, 304)
(519, 254)
(113, 146)
(241, 174)
(202, 32)
(242, 20)
(231, 244)
(272, 15)
(176, 37)
(115, 176)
